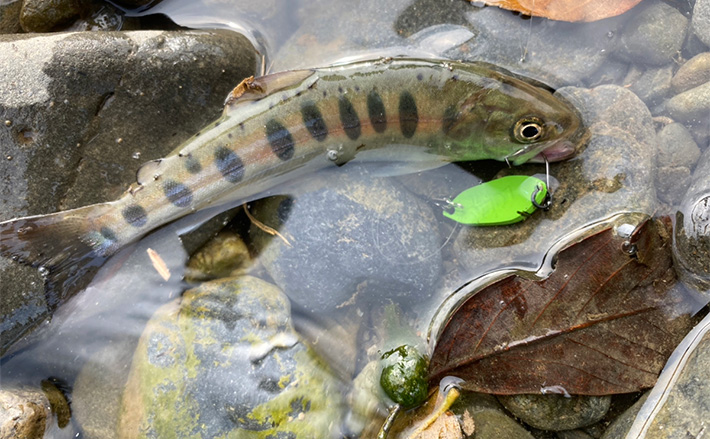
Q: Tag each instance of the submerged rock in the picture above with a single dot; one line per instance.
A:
(677, 156)
(691, 247)
(655, 35)
(486, 418)
(701, 20)
(226, 361)
(346, 235)
(28, 413)
(694, 72)
(557, 412)
(24, 413)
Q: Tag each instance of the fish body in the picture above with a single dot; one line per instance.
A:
(277, 127)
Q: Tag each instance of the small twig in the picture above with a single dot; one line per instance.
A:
(270, 230)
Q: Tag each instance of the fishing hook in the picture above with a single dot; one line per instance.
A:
(547, 201)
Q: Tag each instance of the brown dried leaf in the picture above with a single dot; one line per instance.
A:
(567, 10)
(596, 326)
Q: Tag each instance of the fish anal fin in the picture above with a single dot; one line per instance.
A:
(63, 245)
(251, 88)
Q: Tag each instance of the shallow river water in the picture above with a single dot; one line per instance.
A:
(364, 253)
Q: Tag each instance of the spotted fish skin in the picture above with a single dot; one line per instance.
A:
(280, 126)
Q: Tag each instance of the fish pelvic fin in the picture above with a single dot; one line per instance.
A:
(66, 247)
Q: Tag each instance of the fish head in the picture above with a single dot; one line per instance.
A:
(511, 120)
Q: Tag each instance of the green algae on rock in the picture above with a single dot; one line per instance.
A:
(226, 362)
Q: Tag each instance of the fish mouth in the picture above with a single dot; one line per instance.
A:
(558, 151)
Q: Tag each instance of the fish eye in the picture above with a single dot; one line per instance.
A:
(528, 130)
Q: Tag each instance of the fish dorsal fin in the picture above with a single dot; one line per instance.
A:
(251, 88)
(149, 171)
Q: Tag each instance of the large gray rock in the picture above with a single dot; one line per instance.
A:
(351, 236)
(78, 108)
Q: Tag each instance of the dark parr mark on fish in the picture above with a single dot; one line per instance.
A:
(420, 77)
(178, 194)
(229, 164)
(192, 165)
(135, 215)
(376, 111)
(280, 140)
(108, 235)
(313, 119)
(349, 118)
(448, 120)
(408, 115)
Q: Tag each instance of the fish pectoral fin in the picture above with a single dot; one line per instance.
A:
(251, 88)
(63, 245)
(397, 160)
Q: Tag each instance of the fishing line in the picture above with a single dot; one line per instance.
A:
(524, 49)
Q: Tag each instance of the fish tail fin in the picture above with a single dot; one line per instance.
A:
(65, 246)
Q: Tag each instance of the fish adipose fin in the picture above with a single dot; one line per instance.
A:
(62, 245)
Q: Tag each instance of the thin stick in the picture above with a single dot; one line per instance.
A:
(270, 230)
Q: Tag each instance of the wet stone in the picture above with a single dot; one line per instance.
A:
(677, 155)
(47, 15)
(695, 72)
(349, 233)
(621, 425)
(573, 434)
(226, 362)
(223, 256)
(655, 35)
(24, 413)
(490, 420)
(676, 147)
(701, 21)
(557, 412)
(684, 413)
(10, 17)
(671, 183)
(691, 249)
(651, 85)
(691, 106)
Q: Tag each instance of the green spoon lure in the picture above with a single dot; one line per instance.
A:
(499, 202)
